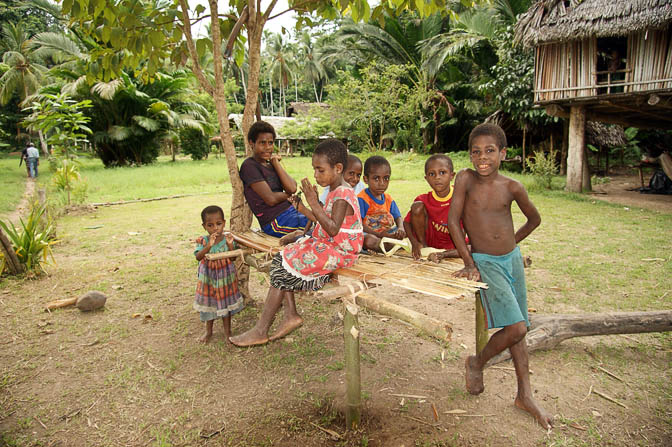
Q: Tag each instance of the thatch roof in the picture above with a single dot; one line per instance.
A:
(551, 21)
(604, 135)
(276, 121)
(296, 108)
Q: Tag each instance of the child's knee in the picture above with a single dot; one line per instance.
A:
(518, 331)
(418, 210)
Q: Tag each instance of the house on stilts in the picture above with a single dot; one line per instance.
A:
(600, 60)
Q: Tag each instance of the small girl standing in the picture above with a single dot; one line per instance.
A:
(217, 293)
(307, 264)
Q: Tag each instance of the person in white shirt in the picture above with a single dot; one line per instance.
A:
(32, 159)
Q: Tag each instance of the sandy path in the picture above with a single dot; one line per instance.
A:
(23, 207)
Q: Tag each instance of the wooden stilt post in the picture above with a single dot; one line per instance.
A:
(575, 157)
(353, 392)
(481, 326)
(565, 147)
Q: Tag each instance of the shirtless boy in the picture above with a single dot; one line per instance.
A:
(482, 199)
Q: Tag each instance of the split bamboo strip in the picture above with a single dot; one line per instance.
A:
(227, 254)
(423, 277)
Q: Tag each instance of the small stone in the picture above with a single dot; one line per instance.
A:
(91, 301)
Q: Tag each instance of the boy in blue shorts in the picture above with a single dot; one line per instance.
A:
(482, 199)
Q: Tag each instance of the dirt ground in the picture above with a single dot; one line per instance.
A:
(622, 189)
(134, 375)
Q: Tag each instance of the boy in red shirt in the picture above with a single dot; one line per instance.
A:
(426, 224)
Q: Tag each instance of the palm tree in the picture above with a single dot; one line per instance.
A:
(279, 53)
(24, 67)
(314, 70)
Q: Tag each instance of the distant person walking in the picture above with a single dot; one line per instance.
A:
(32, 159)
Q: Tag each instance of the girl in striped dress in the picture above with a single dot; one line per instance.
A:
(217, 293)
(307, 263)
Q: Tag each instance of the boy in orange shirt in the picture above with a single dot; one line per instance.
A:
(380, 214)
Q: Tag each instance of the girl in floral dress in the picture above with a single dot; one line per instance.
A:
(307, 264)
(217, 294)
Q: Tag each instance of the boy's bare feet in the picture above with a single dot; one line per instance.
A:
(287, 325)
(530, 405)
(474, 375)
(249, 338)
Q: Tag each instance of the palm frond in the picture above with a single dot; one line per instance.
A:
(107, 90)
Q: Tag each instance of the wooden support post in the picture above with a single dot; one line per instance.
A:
(575, 157)
(565, 147)
(353, 391)
(481, 325)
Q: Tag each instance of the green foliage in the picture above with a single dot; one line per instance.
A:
(32, 242)
(511, 83)
(543, 167)
(63, 120)
(194, 143)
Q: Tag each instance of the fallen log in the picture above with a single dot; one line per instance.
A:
(547, 331)
(438, 329)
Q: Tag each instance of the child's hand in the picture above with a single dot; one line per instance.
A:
(295, 200)
(415, 251)
(310, 192)
(435, 257)
(399, 234)
(470, 272)
(275, 157)
(229, 238)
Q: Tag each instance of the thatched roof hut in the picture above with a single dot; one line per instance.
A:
(303, 108)
(601, 60)
(605, 135)
(557, 20)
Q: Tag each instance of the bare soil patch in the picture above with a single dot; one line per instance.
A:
(622, 189)
(133, 374)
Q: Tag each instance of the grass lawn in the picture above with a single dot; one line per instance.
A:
(134, 375)
(12, 183)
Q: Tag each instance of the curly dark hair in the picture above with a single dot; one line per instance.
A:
(212, 209)
(373, 161)
(258, 128)
(490, 129)
(443, 157)
(334, 150)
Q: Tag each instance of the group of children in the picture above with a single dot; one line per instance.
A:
(471, 220)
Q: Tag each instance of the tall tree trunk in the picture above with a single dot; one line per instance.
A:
(270, 90)
(43, 144)
(317, 98)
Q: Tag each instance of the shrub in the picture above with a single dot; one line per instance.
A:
(194, 143)
(543, 167)
(32, 242)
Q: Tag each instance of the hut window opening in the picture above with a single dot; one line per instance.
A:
(611, 64)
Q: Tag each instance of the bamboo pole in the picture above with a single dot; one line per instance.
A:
(227, 254)
(353, 393)
(435, 328)
(481, 325)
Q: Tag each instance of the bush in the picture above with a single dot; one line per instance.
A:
(32, 243)
(194, 143)
(543, 168)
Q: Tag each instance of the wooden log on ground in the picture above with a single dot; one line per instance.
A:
(547, 331)
(435, 328)
(353, 392)
(13, 264)
(57, 304)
